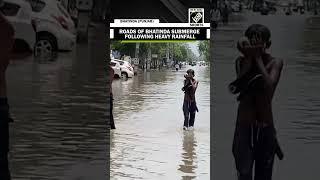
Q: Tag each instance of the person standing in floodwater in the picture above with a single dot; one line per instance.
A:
(177, 67)
(111, 76)
(255, 143)
(6, 54)
(225, 14)
(6, 45)
(215, 17)
(189, 102)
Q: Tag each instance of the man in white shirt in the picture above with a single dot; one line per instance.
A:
(215, 17)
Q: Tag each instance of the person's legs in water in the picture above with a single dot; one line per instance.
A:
(192, 118)
(4, 149)
(192, 110)
(243, 152)
(227, 19)
(186, 114)
(214, 25)
(4, 140)
(112, 125)
(265, 152)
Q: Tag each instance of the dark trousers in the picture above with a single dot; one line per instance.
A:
(4, 140)
(254, 146)
(112, 125)
(225, 19)
(75, 21)
(189, 111)
(214, 25)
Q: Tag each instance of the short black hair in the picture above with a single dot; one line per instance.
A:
(190, 71)
(258, 29)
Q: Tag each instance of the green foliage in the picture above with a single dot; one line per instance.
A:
(204, 50)
(123, 48)
(178, 51)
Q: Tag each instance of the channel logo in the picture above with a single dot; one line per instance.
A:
(196, 15)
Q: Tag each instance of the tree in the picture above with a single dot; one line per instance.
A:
(204, 50)
(123, 48)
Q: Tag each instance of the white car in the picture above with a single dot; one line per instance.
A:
(126, 68)
(116, 67)
(55, 28)
(18, 13)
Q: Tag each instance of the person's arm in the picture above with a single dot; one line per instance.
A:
(243, 66)
(6, 44)
(237, 66)
(111, 74)
(194, 84)
(273, 77)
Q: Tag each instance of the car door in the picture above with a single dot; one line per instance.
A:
(19, 15)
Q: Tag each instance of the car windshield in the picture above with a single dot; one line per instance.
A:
(10, 9)
(121, 62)
(37, 5)
(127, 63)
(113, 63)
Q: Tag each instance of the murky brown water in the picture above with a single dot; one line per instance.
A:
(149, 142)
(59, 108)
(296, 104)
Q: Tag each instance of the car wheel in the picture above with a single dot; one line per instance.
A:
(124, 75)
(45, 45)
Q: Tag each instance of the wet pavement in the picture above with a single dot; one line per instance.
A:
(296, 102)
(149, 142)
(59, 110)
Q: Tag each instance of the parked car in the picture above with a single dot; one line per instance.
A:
(18, 13)
(55, 28)
(116, 67)
(126, 68)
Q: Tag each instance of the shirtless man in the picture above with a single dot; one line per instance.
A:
(255, 142)
(189, 102)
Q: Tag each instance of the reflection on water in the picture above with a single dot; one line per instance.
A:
(189, 155)
(149, 142)
(58, 105)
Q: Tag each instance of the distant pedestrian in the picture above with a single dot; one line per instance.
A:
(74, 14)
(189, 101)
(177, 67)
(6, 45)
(215, 17)
(180, 65)
(288, 11)
(111, 76)
(225, 14)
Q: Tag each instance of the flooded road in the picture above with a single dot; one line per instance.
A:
(149, 142)
(59, 109)
(296, 103)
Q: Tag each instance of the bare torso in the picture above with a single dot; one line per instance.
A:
(257, 107)
(190, 94)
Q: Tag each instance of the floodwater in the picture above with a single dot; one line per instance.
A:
(59, 108)
(149, 142)
(296, 109)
